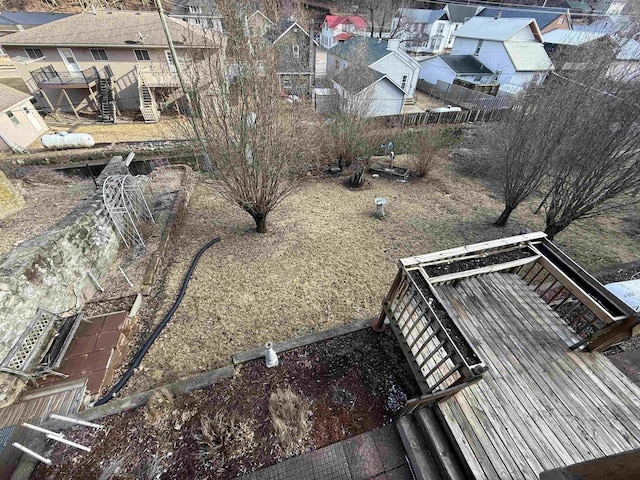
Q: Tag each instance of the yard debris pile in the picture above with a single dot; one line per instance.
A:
(254, 419)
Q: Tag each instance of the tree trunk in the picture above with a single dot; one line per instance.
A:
(554, 229)
(261, 222)
(504, 216)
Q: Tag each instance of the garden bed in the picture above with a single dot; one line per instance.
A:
(345, 386)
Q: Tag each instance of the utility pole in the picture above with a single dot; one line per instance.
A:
(176, 64)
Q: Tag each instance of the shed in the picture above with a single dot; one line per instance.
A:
(20, 123)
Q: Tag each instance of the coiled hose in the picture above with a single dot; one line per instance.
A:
(145, 348)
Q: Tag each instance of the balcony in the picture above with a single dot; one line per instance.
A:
(156, 77)
(51, 78)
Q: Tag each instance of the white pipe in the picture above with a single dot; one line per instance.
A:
(270, 357)
(68, 442)
(40, 458)
(129, 159)
(125, 276)
(41, 430)
(75, 420)
(95, 281)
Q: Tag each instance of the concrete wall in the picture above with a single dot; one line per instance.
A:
(49, 272)
(121, 60)
(30, 125)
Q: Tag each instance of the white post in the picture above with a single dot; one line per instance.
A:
(75, 420)
(31, 453)
(125, 276)
(129, 159)
(68, 442)
(95, 281)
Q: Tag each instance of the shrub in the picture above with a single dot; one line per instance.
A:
(290, 419)
(426, 155)
(224, 437)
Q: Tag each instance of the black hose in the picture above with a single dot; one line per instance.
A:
(145, 348)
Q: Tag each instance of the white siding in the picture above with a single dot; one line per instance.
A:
(395, 68)
(464, 46)
(388, 100)
(434, 70)
(525, 35)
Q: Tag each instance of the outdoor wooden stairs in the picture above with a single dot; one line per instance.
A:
(106, 100)
(148, 105)
(431, 454)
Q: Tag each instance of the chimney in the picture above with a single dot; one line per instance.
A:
(393, 44)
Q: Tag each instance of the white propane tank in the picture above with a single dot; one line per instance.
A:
(62, 140)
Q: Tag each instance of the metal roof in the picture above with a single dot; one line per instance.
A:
(461, 13)
(570, 37)
(465, 64)
(496, 29)
(542, 18)
(420, 15)
(528, 56)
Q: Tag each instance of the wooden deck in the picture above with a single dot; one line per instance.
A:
(540, 405)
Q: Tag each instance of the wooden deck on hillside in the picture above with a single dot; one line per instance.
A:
(540, 405)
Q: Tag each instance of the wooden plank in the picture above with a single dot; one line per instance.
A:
(565, 385)
(577, 291)
(476, 247)
(483, 270)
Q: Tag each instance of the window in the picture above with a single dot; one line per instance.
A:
(34, 53)
(435, 43)
(142, 55)
(98, 54)
(478, 47)
(404, 81)
(560, 20)
(13, 118)
(440, 29)
(195, 9)
(296, 50)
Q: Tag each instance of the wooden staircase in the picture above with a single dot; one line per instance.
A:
(106, 100)
(432, 456)
(148, 105)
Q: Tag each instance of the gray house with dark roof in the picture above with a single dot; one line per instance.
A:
(455, 69)
(296, 56)
(203, 13)
(384, 57)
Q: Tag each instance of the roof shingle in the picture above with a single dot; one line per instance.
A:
(10, 97)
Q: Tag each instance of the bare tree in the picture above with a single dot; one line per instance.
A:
(575, 139)
(379, 12)
(260, 144)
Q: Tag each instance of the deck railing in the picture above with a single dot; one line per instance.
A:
(50, 76)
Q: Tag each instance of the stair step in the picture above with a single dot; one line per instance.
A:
(445, 455)
(423, 465)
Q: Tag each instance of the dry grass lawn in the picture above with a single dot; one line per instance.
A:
(324, 262)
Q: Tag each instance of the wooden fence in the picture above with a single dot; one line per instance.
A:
(464, 97)
(425, 118)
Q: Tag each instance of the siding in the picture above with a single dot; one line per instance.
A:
(434, 70)
(24, 133)
(388, 100)
(395, 68)
(525, 34)
(121, 60)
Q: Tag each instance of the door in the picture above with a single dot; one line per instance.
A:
(70, 62)
(172, 66)
(34, 121)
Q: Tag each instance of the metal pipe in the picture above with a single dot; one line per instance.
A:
(95, 281)
(125, 276)
(68, 442)
(41, 430)
(31, 453)
(76, 421)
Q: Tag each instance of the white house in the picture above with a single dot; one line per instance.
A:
(367, 93)
(420, 30)
(338, 28)
(202, 13)
(512, 48)
(449, 68)
(382, 56)
(20, 123)
(458, 14)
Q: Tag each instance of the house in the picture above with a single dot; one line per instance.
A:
(107, 62)
(608, 7)
(513, 48)
(455, 70)
(11, 22)
(578, 7)
(547, 19)
(338, 28)
(202, 13)
(421, 30)
(296, 56)
(458, 14)
(384, 57)
(364, 92)
(258, 24)
(20, 123)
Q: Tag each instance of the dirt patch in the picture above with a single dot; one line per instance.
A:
(183, 434)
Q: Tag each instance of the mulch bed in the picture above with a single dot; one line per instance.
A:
(350, 381)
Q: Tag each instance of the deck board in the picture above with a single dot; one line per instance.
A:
(540, 405)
